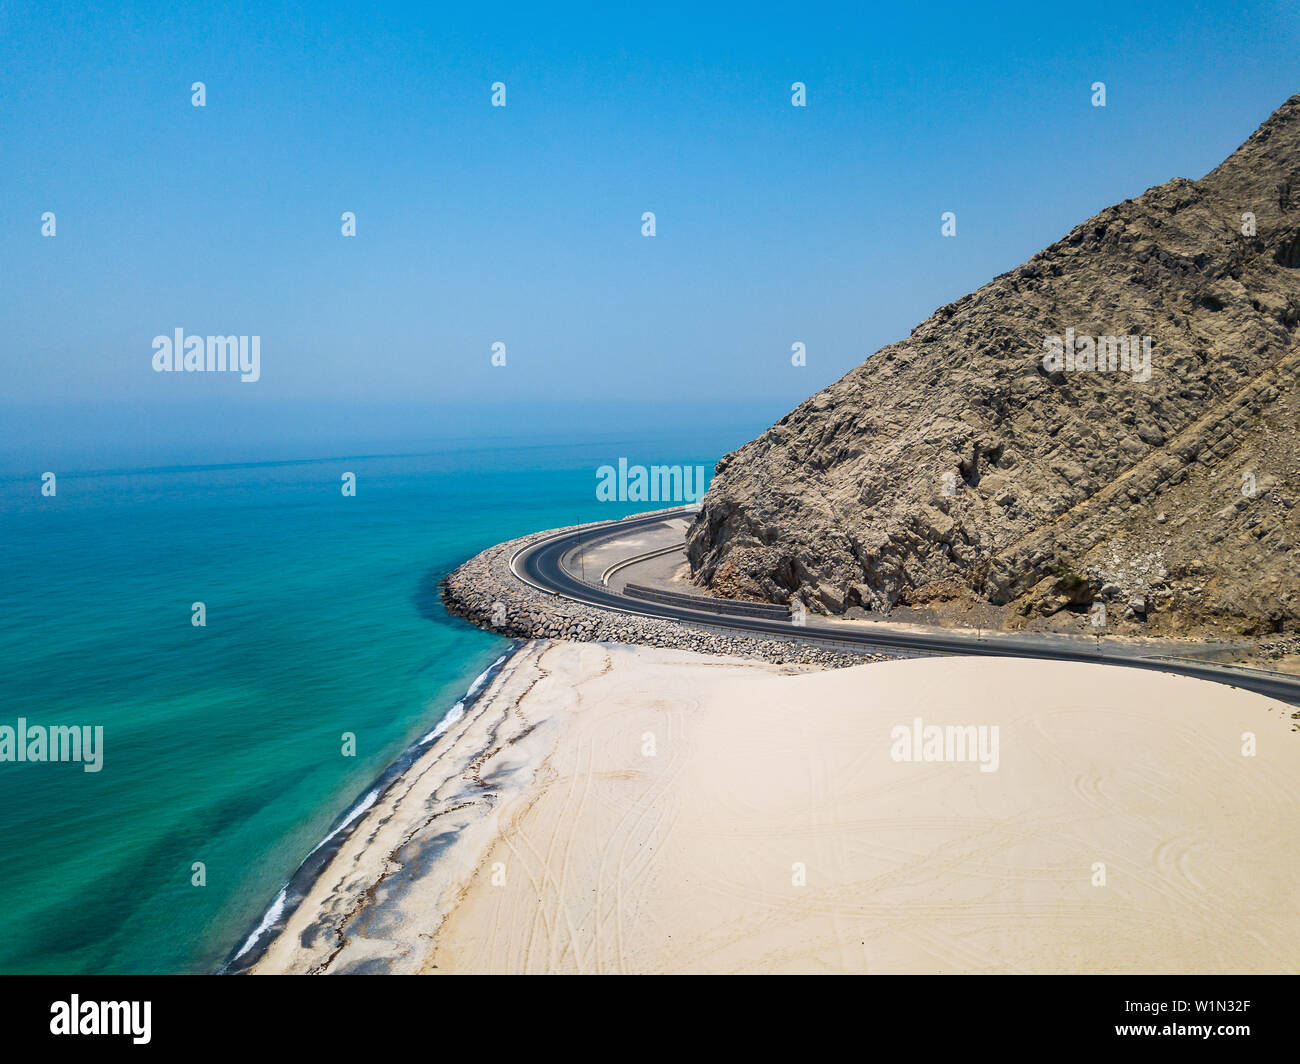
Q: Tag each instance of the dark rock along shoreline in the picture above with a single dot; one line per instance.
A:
(474, 590)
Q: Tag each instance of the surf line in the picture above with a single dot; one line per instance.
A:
(295, 891)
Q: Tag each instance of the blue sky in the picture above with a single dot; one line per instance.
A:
(522, 224)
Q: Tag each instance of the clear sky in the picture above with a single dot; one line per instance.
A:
(522, 224)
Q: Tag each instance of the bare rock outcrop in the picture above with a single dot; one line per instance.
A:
(973, 462)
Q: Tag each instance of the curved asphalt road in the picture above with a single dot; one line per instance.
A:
(541, 566)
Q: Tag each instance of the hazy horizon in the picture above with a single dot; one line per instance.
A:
(90, 436)
(522, 224)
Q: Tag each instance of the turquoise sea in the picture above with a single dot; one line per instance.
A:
(224, 744)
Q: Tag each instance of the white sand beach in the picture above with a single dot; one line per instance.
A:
(616, 809)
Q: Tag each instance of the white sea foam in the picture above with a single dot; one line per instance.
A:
(271, 916)
(458, 710)
(357, 810)
(454, 714)
(482, 677)
(277, 907)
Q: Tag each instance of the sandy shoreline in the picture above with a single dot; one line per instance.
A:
(431, 819)
(606, 808)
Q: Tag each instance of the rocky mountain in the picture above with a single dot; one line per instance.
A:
(1018, 451)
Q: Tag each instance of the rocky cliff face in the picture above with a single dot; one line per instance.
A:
(995, 457)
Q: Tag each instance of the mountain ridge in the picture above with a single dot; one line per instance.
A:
(956, 469)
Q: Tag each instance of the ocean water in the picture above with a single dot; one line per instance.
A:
(224, 744)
